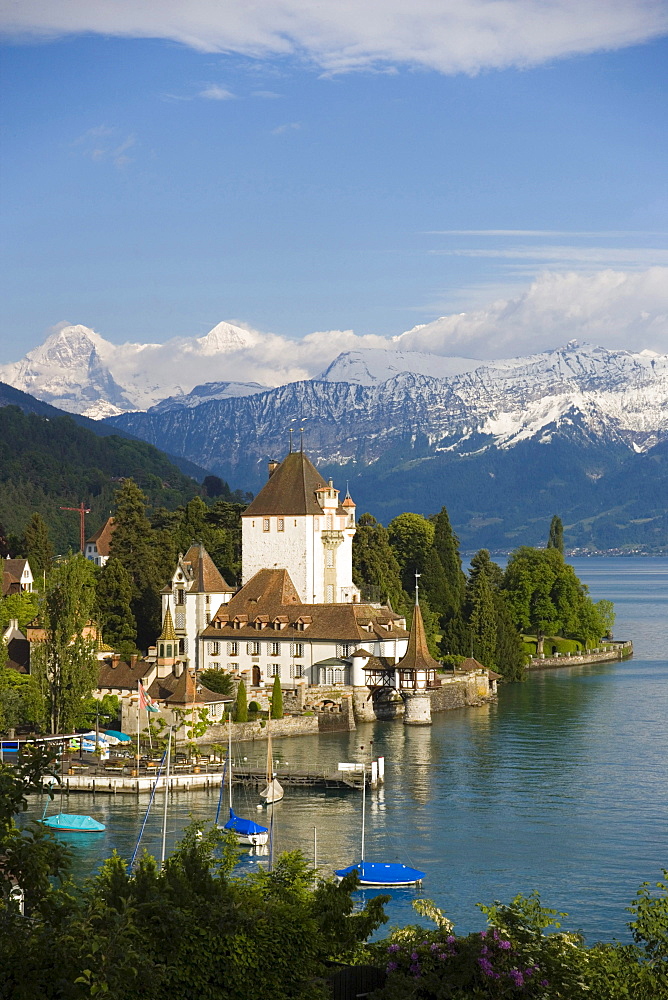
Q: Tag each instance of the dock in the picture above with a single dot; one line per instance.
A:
(97, 778)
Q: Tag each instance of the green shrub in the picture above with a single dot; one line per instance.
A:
(277, 699)
(254, 707)
(241, 709)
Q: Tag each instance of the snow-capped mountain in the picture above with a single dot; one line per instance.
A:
(612, 396)
(371, 366)
(79, 371)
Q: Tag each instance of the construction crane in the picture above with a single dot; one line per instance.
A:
(82, 521)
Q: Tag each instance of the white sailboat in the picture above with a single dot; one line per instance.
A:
(274, 790)
(246, 830)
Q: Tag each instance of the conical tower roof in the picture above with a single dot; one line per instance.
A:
(417, 655)
(168, 634)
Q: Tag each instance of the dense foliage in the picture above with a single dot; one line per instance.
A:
(194, 929)
(52, 462)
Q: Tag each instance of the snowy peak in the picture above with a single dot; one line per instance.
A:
(208, 392)
(222, 339)
(372, 366)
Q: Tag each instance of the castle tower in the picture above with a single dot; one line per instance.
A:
(167, 646)
(416, 672)
(296, 522)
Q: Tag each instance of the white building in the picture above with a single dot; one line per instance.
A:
(266, 631)
(16, 577)
(194, 594)
(297, 523)
(97, 546)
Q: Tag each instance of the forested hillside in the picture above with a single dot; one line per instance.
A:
(47, 463)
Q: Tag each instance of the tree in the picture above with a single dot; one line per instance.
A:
(241, 711)
(412, 540)
(483, 622)
(277, 699)
(218, 681)
(65, 663)
(556, 536)
(113, 595)
(21, 701)
(375, 568)
(446, 544)
(37, 546)
(24, 606)
(133, 544)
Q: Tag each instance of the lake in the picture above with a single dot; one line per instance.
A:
(560, 786)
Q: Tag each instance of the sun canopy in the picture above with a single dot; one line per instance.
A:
(74, 823)
(121, 737)
(377, 873)
(246, 827)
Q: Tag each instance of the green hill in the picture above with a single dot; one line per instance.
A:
(48, 462)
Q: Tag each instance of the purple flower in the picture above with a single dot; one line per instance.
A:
(391, 966)
(544, 982)
(517, 977)
(434, 947)
(505, 945)
(415, 956)
(483, 934)
(443, 956)
(484, 950)
(451, 939)
(393, 948)
(486, 966)
(495, 935)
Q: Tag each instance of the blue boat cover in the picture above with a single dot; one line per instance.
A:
(243, 826)
(123, 737)
(377, 873)
(74, 823)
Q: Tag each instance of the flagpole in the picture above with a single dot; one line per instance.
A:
(138, 711)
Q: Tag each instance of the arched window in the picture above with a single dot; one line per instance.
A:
(169, 650)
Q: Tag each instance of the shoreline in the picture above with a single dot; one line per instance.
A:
(621, 651)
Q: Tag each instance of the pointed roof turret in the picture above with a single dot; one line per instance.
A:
(417, 656)
(291, 489)
(168, 634)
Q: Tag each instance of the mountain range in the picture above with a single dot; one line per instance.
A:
(503, 444)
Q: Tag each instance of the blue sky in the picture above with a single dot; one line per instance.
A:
(152, 188)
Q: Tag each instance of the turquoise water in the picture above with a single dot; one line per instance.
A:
(561, 786)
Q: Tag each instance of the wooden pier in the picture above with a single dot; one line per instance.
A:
(125, 780)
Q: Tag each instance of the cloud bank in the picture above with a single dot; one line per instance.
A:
(613, 309)
(450, 36)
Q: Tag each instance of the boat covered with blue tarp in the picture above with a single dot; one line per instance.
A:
(378, 873)
(74, 823)
(246, 829)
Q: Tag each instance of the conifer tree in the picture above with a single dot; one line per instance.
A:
(37, 546)
(556, 536)
(375, 568)
(483, 622)
(133, 544)
(65, 664)
(241, 711)
(114, 606)
(277, 699)
(446, 544)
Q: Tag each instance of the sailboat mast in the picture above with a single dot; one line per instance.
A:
(164, 811)
(363, 805)
(229, 755)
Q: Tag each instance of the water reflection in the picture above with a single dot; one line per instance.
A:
(560, 786)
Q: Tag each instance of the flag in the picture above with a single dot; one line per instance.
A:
(145, 700)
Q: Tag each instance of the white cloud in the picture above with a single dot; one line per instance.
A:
(616, 309)
(450, 36)
(215, 93)
(288, 127)
(105, 144)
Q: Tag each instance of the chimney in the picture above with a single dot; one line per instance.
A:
(178, 668)
(133, 660)
(273, 465)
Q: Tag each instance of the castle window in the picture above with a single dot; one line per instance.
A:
(274, 649)
(180, 595)
(297, 649)
(232, 667)
(265, 524)
(233, 649)
(253, 648)
(207, 617)
(296, 670)
(214, 666)
(343, 649)
(338, 676)
(280, 525)
(274, 670)
(207, 599)
(169, 649)
(214, 648)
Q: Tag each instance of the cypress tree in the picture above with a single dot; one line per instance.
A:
(241, 712)
(556, 537)
(446, 544)
(483, 622)
(37, 546)
(114, 606)
(277, 699)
